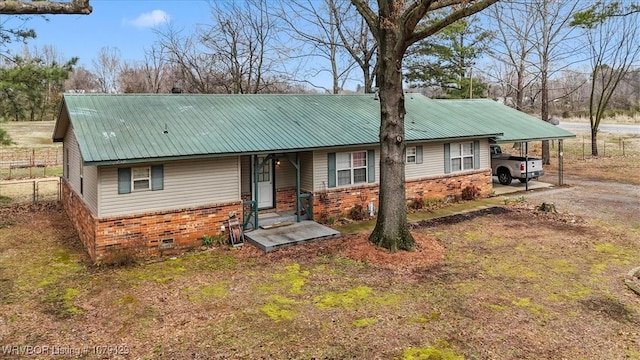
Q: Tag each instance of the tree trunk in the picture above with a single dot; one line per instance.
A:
(594, 141)
(544, 110)
(392, 231)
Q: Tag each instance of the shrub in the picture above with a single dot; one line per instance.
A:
(470, 192)
(209, 240)
(417, 203)
(5, 139)
(357, 213)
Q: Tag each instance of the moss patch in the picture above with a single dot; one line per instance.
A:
(280, 308)
(346, 300)
(439, 352)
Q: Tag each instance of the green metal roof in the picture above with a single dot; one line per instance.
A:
(515, 125)
(124, 128)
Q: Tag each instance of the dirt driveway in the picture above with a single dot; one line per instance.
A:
(600, 200)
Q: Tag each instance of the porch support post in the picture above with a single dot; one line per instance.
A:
(256, 169)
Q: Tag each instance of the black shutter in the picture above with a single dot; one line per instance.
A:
(331, 160)
(124, 180)
(157, 177)
(447, 158)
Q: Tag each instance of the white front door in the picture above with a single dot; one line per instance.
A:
(265, 184)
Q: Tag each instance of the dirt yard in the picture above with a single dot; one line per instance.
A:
(504, 283)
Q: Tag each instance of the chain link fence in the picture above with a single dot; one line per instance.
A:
(29, 191)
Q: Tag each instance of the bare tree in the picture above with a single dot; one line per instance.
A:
(357, 40)
(156, 69)
(395, 27)
(106, 67)
(17, 7)
(243, 40)
(515, 23)
(314, 24)
(613, 43)
(554, 43)
(81, 80)
(192, 70)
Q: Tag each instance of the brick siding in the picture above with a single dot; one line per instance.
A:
(338, 201)
(144, 235)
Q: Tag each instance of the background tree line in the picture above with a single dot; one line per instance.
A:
(540, 56)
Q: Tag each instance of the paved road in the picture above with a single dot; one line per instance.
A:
(607, 128)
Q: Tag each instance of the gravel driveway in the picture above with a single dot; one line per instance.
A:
(606, 201)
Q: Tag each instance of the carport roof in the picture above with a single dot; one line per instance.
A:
(515, 125)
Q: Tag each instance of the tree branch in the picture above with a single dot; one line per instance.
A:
(453, 17)
(15, 7)
(369, 16)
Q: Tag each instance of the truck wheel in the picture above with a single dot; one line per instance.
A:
(524, 181)
(504, 177)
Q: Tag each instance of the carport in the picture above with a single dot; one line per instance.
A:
(515, 126)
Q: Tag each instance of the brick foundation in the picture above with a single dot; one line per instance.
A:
(144, 235)
(170, 232)
(80, 216)
(337, 202)
(450, 185)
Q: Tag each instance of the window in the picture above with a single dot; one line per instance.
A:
(462, 157)
(411, 155)
(351, 168)
(141, 178)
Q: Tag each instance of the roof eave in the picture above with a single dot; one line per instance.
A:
(497, 140)
(62, 123)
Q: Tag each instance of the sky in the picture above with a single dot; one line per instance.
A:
(125, 24)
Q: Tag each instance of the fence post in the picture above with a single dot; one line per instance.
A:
(34, 191)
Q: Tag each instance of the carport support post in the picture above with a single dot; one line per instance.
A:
(560, 162)
(526, 166)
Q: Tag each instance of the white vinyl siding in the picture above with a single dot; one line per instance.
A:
(432, 155)
(91, 188)
(186, 184)
(285, 173)
(306, 171)
(72, 152)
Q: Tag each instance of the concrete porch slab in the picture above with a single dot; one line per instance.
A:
(299, 232)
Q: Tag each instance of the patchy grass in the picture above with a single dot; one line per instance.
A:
(500, 292)
(619, 158)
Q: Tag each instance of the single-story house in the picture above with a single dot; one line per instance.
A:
(156, 172)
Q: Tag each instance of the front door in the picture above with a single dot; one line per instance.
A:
(265, 184)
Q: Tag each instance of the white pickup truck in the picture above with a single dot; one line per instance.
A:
(507, 167)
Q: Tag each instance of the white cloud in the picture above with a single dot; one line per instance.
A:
(148, 20)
